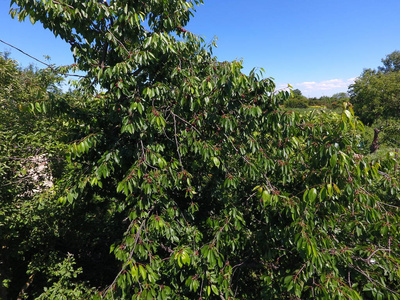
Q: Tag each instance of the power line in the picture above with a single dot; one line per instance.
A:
(42, 62)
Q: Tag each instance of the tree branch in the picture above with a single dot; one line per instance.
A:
(105, 292)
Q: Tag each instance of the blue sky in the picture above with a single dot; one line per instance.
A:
(318, 47)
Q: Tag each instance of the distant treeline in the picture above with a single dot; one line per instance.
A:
(297, 100)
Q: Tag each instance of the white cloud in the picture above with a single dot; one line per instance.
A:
(326, 87)
(320, 88)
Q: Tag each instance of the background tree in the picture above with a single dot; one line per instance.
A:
(296, 100)
(23, 141)
(36, 233)
(224, 194)
(391, 63)
(376, 98)
(297, 93)
(375, 95)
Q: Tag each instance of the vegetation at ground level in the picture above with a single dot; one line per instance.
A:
(175, 176)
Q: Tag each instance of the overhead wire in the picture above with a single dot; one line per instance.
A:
(42, 62)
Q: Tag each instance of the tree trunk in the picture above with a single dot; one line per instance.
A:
(375, 145)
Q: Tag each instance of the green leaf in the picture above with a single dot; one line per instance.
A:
(266, 196)
(142, 272)
(330, 189)
(322, 194)
(214, 289)
(216, 161)
(348, 115)
(337, 190)
(32, 19)
(312, 195)
(288, 279)
(134, 272)
(333, 161)
(185, 258)
(305, 195)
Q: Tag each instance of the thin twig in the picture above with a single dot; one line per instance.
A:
(130, 255)
(358, 269)
(373, 253)
(383, 203)
(63, 4)
(348, 173)
(183, 120)
(349, 278)
(22, 293)
(302, 268)
(143, 152)
(201, 288)
(123, 46)
(176, 142)
(387, 176)
(242, 156)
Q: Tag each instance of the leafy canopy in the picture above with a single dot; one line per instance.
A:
(375, 94)
(227, 196)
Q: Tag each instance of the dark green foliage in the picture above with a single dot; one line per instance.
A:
(391, 63)
(297, 100)
(375, 94)
(36, 233)
(391, 133)
(296, 93)
(296, 103)
(64, 289)
(224, 195)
